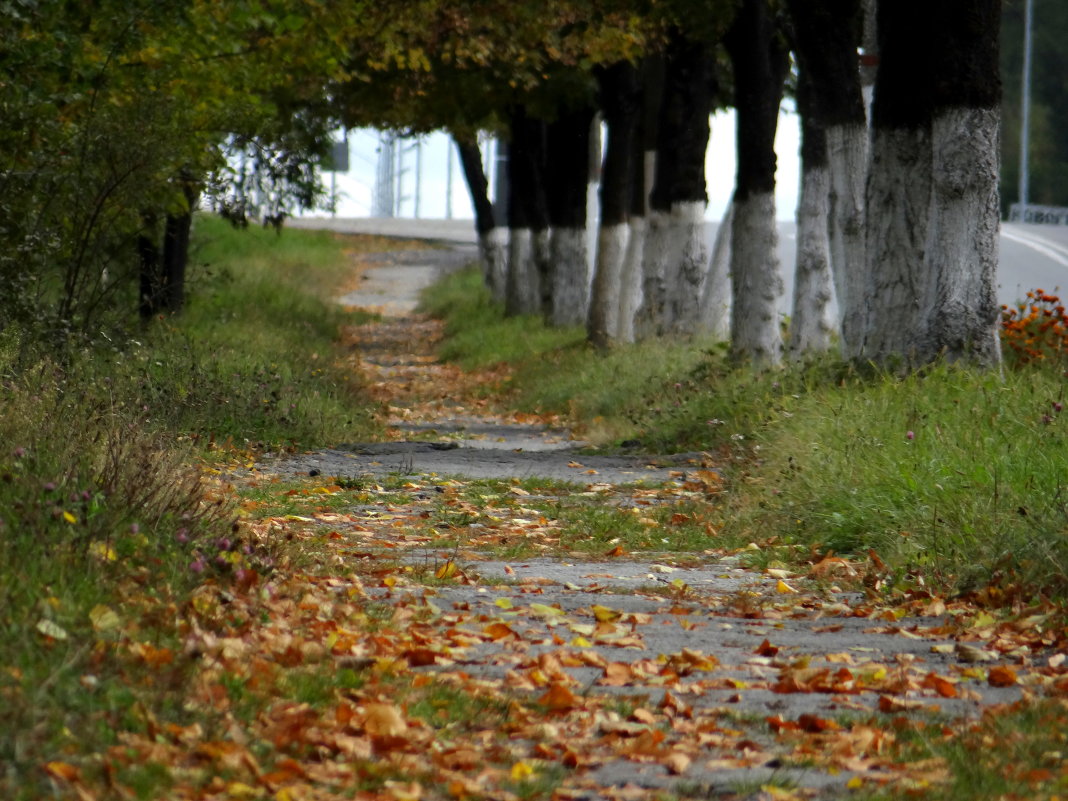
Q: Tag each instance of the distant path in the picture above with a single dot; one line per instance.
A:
(738, 678)
(1031, 256)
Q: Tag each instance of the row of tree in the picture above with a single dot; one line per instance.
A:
(121, 116)
(898, 214)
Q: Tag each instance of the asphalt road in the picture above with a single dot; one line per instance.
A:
(1032, 256)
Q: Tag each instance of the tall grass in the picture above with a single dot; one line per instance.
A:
(955, 476)
(103, 511)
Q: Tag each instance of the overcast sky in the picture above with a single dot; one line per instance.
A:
(356, 186)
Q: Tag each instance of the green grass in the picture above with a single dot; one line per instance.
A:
(818, 457)
(557, 371)
(101, 507)
(1014, 752)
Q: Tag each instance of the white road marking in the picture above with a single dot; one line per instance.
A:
(1051, 250)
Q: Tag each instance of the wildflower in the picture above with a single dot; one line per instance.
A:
(197, 565)
(1058, 406)
(909, 435)
(20, 452)
(135, 528)
(182, 535)
(50, 486)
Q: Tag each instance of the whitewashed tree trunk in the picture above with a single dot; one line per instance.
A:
(492, 251)
(630, 282)
(810, 321)
(684, 293)
(961, 254)
(659, 251)
(716, 296)
(756, 280)
(522, 286)
(898, 204)
(847, 161)
(569, 256)
(607, 287)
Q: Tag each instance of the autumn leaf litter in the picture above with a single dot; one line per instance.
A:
(411, 669)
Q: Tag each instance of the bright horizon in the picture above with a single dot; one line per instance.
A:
(355, 188)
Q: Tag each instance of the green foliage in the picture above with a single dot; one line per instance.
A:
(1049, 103)
(105, 107)
(99, 498)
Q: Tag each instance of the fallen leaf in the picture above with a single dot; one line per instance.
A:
(1002, 676)
(384, 720)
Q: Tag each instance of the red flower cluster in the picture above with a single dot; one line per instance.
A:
(1036, 330)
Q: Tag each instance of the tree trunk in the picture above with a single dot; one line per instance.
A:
(899, 184)
(567, 185)
(827, 33)
(620, 101)
(490, 244)
(961, 254)
(716, 300)
(810, 323)
(676, 257)
(528, 218)
(643, 166)
(760, 65)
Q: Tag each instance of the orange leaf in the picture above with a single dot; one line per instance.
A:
(63, 771)
(1002, 676)
(944, 687)
(617, 674)
(559, 698)
(766, 649)
(500, 631)
(385, 719)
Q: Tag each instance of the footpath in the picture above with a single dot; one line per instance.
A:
(588, 669)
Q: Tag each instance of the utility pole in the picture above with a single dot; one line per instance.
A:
(1025, 114)
(385, 176)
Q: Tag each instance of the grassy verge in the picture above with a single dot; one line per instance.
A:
(104, 522)
(955, 478)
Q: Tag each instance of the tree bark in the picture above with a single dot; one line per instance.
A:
(810, 324)
(826, 35)
(899, 183)
(716, 300)
(528, 218)
(676, 258)
(760, 64)
(620, 91)
(490, 244)
(567, 189)
(961, 253)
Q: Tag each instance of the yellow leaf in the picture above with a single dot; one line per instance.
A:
(783, 588)
(604, 614)
(546, 610)
(504, 603)
(447, 570)
(103, 618)
(855, 783)
(581, 642)
(240, 790)
(50, 629)
(522, 770)
(69, 517)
